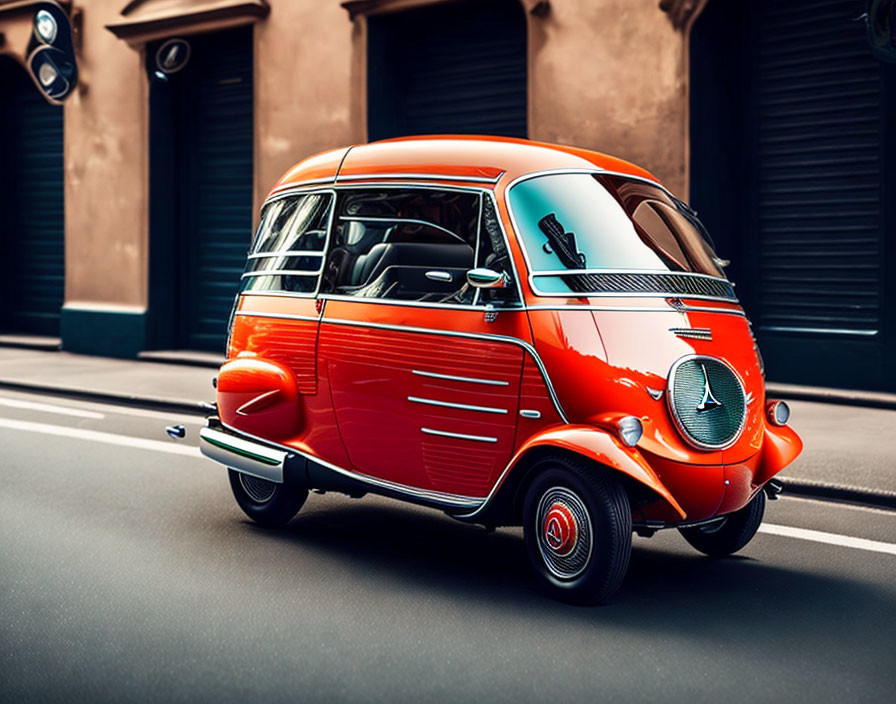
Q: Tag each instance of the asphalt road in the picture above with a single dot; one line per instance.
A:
(127, 573)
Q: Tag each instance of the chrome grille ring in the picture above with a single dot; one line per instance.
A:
(259, 490)
(707, 401)
(565, 535)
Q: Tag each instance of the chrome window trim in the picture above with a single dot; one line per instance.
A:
(454, 500)
(461, 406)
(417, 304)
(470, 379)
(643, 309)
(670, 403)
(286, 253)
(532, 275)
(459, 436)
(414, 175)
(429, 331)
(282, 272)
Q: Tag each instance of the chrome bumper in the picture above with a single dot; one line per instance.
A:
(243, 455)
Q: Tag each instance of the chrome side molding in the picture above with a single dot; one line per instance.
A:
(459, 436)
(461, 406)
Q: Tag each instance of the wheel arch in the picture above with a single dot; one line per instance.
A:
(600, 450)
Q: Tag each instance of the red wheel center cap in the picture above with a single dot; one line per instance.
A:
(560, 529)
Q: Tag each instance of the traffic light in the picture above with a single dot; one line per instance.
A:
(51, 52)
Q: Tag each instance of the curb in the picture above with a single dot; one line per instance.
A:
(874, 498)
(158, 404)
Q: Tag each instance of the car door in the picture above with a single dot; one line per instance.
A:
(424, 370)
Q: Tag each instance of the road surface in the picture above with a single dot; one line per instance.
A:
(127, 573)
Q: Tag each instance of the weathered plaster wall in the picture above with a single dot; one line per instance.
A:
(611, 75)
(106, 170)
(303, 86)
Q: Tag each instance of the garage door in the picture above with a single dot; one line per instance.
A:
(33, 263)
(458, 68)
(814, 141)
(201, 189)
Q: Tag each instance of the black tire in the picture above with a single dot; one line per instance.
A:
(585, 564)
(731, 534)
(265, 502)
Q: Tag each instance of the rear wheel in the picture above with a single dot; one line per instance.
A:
(578, 530)
(729, 534)
(265, 502)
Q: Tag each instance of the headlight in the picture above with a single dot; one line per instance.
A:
(630, 430)
(778, 412)
(45, 26)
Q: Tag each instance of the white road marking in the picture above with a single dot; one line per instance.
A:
(111, 408)
(818, 536)
(47, 408)
(96, 436)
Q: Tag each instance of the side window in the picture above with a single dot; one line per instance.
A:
(408, 245)
(287, 253)
(403, 244)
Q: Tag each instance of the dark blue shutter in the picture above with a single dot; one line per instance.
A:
(34, 259)
(216, 200)
(820, 161)
(458, 68)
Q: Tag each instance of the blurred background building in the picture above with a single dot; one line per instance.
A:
(126, 211)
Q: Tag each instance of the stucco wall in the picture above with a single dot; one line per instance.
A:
(610, 75)
(106, 169)
(303, 87)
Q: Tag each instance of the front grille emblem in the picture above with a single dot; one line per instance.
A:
(708, 402)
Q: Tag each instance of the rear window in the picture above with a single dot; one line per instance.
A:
(287, 253)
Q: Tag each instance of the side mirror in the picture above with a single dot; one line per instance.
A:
(487, 278)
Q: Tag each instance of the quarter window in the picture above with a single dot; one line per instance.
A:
(287, 253)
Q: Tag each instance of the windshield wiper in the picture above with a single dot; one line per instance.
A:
(562, 242)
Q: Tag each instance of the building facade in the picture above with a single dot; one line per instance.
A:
(127, 210)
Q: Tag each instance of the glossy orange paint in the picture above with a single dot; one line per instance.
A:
(380, 388)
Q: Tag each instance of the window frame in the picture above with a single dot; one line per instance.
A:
(322, 254)
(517, 304)
(532, 274)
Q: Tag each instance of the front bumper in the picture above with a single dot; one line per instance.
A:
(243, 455)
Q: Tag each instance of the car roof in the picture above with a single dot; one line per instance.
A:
(461, 158)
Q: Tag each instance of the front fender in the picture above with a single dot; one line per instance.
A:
(780, 447)
(604, 448)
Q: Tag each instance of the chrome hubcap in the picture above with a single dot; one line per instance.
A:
(564, 530)
(259, 490)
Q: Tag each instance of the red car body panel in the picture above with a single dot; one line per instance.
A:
(363, 385)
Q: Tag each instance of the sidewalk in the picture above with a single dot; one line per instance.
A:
(849, 453)
(169, 386)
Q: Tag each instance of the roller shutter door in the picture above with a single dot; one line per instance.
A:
(215, 161)
(34, 216)
(820, 216)
(458, 68)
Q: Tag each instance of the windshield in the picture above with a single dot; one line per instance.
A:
(593, 224)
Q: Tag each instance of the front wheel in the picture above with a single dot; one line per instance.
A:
(731, 533)
(265, 502)
(577, 525)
